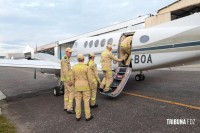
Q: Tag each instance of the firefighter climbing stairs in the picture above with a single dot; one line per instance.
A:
(120, 78)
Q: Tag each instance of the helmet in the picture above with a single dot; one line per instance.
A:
(80, 56)
(91, 55)
(68, 49)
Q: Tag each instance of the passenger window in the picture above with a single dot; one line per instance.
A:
(110, 41)
(96, 43)
(85, 44)
(91, 43)
(103, 42)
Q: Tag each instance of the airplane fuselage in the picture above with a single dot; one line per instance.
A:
(170, 44)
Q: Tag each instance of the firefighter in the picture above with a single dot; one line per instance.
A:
(95, 80)
(66, 74)
(106, 63)
(82, 79)
(125, 50)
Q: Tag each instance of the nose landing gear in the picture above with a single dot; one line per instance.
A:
(139, 77)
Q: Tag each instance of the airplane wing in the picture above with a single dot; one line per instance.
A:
(29, 64)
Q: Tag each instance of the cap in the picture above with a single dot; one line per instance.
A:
(109, 46)
(80, 56)
(91, 54)
(68, 49)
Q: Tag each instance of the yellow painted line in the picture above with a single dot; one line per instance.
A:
(164, 101)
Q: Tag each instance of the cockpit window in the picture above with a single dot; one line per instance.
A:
(103, 42)
(96, 43)
(110, 41)
(91, 43)
(85, 44)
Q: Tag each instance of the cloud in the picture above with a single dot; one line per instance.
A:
(44, 21)
(30, 4)
(7, 48)
(51, 4)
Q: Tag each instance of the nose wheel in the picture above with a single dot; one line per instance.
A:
(139, 77)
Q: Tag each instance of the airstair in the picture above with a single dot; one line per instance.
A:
(120, 78)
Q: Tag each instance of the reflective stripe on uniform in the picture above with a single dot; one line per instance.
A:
(104, 53)
(90, 63)
(107, 86)
(87, 110)
(123, 45)
(78, 110)
(105, 68)
(109, 72)
(70, 101)
(65, 79)
(94, 81)
(66, 99)
(93, 99)
(62, 79)
(79, 67)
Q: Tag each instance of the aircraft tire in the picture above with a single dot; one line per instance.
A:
(137, 77)
(142, 77)
(56, 91)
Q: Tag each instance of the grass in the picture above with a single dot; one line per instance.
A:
(6, 126)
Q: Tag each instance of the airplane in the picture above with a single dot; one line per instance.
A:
(170, 44)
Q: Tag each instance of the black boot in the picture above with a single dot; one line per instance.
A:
(94, 106)
(100, 89)
(70, 112)
(109, 91)
(78, 119)
(88, 119)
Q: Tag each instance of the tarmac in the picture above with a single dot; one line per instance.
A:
(143, 106)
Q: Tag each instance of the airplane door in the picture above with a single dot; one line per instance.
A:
(124, 49)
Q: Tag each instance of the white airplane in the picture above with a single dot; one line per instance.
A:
(174, 43)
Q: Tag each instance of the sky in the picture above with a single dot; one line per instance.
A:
(27, 22)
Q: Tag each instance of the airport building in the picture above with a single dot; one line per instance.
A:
(176, 10)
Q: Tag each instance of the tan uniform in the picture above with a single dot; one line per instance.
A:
(106, 63)
(125, 49)
(95, 79)
(66, 77)
(81, 79)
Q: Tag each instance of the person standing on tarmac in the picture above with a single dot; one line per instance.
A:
(95, 79)
(106, 63)
(66, 74)
(82, 79)
(125, 50)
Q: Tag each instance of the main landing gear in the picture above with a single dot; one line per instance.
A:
(59, 90)
(140, 77)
